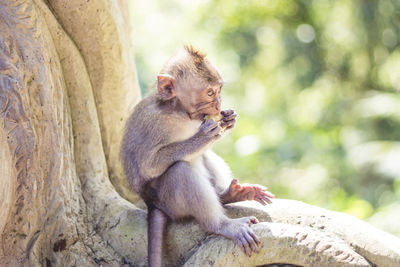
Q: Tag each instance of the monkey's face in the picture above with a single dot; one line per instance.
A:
(201, 99)
(194, 81)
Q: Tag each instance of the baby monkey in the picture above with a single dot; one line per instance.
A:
(167, 157)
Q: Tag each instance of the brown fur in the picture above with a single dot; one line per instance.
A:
(197, 55)
(191, 62)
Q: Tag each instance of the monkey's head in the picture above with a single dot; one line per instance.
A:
(192, 80)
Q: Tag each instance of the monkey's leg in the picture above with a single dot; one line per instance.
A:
(157, 221)
(185, 191)
(240, 192)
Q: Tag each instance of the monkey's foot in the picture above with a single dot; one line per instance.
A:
(240, 192)
(240, 232)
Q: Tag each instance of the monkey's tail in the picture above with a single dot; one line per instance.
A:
(156, 229)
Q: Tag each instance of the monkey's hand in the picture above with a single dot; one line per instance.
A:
(228, 119)
(240, 232)
(209, 131)
(240, 192)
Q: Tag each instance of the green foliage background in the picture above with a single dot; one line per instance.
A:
(316, 86)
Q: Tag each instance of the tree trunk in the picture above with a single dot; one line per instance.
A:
(67, 83)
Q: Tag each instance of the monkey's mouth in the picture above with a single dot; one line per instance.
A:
(196, 116)
(208, 110)
(204, 113)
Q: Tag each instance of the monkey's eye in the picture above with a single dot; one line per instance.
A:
(210, 92)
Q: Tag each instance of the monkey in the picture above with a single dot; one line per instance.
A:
(167, 157)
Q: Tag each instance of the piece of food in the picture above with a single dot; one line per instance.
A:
(215, 118)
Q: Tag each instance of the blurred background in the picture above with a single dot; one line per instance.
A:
(316, 86)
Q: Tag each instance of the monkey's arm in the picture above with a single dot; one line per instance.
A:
(163, 156)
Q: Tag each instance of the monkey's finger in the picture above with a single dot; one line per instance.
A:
(255, 238)
(216, 131)
(213, 130)
(268, 194)
(251, 242)
(227, 112)
(265, 194)
(229, 127)
(267, 199)
(209, 125)
(230, 117)
(260, 200)
(226, 124)
(246, 246)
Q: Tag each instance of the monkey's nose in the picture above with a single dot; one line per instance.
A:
(218, 104)
(217, 108)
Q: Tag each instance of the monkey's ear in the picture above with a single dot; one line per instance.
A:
(166, 86)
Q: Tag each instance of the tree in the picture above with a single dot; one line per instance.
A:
(67, 83)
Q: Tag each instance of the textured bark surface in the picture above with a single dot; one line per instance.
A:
(67, 83)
